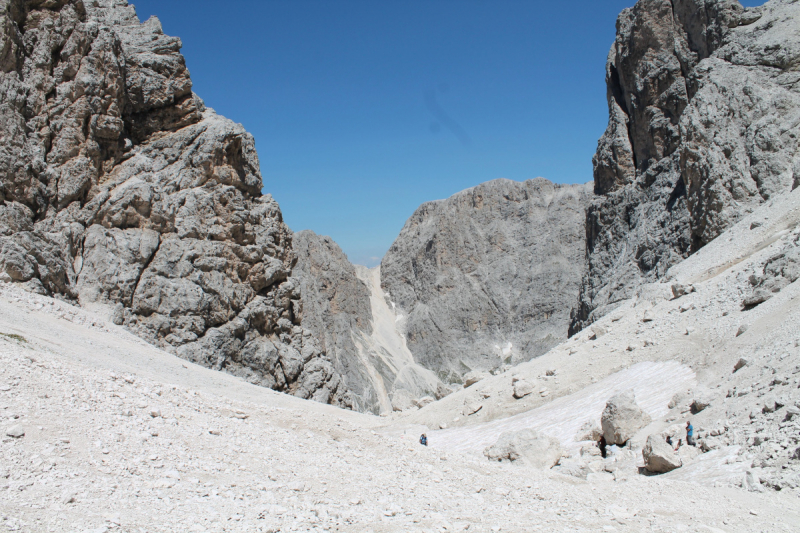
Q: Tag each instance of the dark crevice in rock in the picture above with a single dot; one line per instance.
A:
(678, 192)
(144, 269)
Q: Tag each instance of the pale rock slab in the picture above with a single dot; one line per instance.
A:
(528, 447)
(659, 457)
(622, 418)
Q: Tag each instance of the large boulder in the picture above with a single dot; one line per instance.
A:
(659, 457)
(526, 446)
(622, 418)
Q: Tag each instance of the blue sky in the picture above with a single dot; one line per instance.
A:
(362, 110)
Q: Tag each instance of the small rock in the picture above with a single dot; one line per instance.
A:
(678, 290)
(770, 404)
(118, 315)
(741, 330)
(792, 412)
(68, 496)
(599, 331)
(700, 402)
(16, 431)
(757, 297)
(741, 363)
(215, 432)
(425, 400)
(471, 378)
(154, 412)
(710, 443)
(522, 388)
(751, 483)
(599, 477)
(648, 316)
(471, 408)
(164, 483)
(297, 486)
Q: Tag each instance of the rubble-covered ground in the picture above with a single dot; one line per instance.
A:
(120, 436)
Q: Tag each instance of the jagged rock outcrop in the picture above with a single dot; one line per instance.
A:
(346, 310)
(488, 276)
(120, 190)
(704, 125)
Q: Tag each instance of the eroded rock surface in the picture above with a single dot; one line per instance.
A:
(704, 125)
(120, 190)
(348, 312)
(487, 276)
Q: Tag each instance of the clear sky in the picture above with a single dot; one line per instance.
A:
(364, 109)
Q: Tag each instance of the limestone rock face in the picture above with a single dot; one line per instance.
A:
(659, 457)
(622, 418)
(526, 446)
(778, 272)
(336, 303)
(346, 310)
(487, 276)
(704, 125)
(120, 190)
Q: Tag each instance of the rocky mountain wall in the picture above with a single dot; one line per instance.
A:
(704, 125)
(356, 326)
(487, 276)
(120, 190)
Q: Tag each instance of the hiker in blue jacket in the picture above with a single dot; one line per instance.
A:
(689, 434)
(423, 440)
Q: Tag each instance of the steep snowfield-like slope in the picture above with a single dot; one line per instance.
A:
(384, 352)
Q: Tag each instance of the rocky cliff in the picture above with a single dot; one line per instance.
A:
(120, 190)
(487, 276)
(355, 324)
(704, 125)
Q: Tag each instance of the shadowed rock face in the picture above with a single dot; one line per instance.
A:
(120, 190)
(487, 276)
(336, 307)
(704, 122)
